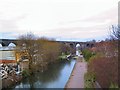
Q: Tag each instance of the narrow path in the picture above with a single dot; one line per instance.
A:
(76, 79)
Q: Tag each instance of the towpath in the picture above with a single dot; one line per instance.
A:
(76, 79)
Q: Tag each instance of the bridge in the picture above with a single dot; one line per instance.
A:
(72, 44)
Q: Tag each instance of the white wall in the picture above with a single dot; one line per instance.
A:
(7, 55)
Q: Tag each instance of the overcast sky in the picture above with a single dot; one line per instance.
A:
(60, 19)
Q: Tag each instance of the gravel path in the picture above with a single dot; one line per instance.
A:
(76, 79)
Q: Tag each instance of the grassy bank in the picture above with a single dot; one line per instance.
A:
(103, 61)
(90, 79)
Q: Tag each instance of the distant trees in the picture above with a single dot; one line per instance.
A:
(107, 48)
(65, 49)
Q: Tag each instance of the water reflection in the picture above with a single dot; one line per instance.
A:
(55, 77)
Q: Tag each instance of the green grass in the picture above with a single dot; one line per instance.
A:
(114, 86)
(87, 54)
(89, 78)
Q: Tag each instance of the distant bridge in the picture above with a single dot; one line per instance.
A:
(6, 42)
(73, 44)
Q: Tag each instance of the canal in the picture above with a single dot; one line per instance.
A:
(56, 76)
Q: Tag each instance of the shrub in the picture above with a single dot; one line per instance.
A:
(106, 69)
(25, 73)
(87, 54)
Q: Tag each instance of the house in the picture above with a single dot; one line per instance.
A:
(11, 55)
(7, 54)
(22, 58)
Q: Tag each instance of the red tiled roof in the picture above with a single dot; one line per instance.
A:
(7, 61)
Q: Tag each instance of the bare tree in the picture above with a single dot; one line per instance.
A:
(115, 34)
(26, 43)
(40, 51)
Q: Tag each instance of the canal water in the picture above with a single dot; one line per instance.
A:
(56, 76)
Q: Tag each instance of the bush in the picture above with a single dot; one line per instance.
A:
(106, 69)
(87, 54)
(25, 73)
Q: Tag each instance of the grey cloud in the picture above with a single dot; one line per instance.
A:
(110, 14)
(10, 25)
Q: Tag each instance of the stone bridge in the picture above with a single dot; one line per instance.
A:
(83, 45)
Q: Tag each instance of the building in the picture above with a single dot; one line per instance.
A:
(22, 58)
(12, 55)
(7, 54)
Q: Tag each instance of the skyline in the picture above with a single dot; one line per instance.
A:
(75, 20)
